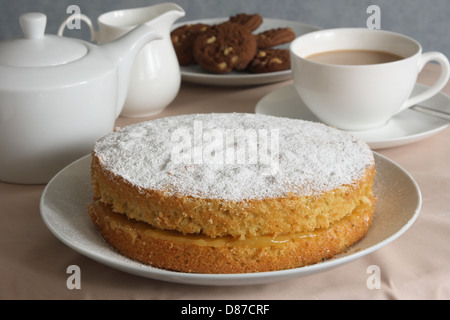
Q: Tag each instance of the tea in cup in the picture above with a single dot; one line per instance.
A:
(357, 79)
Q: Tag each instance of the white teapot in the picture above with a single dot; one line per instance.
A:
(58, 96)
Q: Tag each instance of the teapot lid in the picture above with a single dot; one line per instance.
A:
(36, 49)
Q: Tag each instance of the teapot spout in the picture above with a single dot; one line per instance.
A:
(123, 51)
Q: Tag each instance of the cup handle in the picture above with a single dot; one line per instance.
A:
(82, 17)
(437, 86)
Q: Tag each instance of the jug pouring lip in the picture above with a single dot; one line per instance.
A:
(130, 18)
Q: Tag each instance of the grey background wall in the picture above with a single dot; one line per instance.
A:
(428, 21)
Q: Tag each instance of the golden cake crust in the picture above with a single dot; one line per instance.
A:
(181, 253)
(217, 217)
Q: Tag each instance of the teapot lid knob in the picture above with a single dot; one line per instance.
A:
(37, 49)
(33, 25)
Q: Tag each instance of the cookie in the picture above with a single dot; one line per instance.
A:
(274, 37)
(225, 47)
(250, 21)
(270, 60)
(183, 40)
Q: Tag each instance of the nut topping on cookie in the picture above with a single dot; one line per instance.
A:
(224, 47)
(270, 60)
(183, 39)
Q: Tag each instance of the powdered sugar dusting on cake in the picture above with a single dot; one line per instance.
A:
(234, 156)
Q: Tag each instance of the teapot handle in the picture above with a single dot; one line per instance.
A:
(82, 17)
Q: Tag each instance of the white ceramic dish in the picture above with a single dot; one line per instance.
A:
(58, 96)
(63, 209)
(155, 75)
(406, 127)
(196, 74)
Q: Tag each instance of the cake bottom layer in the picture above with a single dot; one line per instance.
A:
(200, 254)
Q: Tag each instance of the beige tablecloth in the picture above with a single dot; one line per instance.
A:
(33, 262)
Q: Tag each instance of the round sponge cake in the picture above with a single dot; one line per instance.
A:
(231, 193)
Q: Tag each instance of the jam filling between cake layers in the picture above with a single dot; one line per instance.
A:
(133, 228)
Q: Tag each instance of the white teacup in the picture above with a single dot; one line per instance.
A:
(360, 97)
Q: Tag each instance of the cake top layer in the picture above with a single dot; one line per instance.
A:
(234, 156)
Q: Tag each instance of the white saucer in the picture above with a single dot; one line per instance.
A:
(195, 74)
(63, 209)
(407, 127)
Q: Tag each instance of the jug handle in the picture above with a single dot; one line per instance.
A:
(82, 17)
